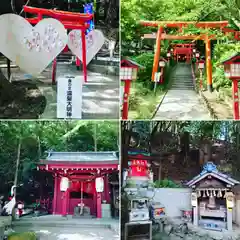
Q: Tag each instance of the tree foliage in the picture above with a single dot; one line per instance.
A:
(37, 137)
(176, 137)
(180, 10)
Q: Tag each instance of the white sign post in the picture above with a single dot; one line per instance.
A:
(121, 95)
(156, 80)
(69, 97)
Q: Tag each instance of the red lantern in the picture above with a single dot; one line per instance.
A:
(232, 71)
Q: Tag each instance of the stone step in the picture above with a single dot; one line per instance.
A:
(182, 84)
(183, 88)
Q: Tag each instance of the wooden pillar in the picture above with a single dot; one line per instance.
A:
(84, 51)
(99, 205)
(235, 99)
(55, 194)
(208, 64)
(94, 204)
(157, 52)
(229, 219)
(78, 63)
(127, 86)
(65, 202)
(107, 189)
(195, 215)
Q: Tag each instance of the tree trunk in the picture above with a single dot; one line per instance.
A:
(39, 147)
(16, 174)
(160, 171)
(17, 164)
(95, 137)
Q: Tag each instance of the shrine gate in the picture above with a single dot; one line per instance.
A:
(161, 35)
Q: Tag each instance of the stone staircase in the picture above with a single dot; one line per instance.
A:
(182, 78)
(65, 57)
(181, 101)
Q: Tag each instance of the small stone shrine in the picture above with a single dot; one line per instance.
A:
(212, 199)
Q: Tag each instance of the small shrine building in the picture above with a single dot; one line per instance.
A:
(75, 177)
(213, 199)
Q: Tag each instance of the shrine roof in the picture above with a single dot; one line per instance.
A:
(232, 58)
(81, 157)
(130, 63)
(210, 169)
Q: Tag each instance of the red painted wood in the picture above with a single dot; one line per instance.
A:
(64, 203)
(81, 17)
(88, 167)
(107, 190)
(235, 99)
(173, 24)
(84, 49)
(78, 63)
(127, 86)
(99, 205)
(125, 63)
(235, 60)
(55, 194)
(67, 24)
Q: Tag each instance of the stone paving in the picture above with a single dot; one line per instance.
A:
(100, 93)
(55, 227)
(70, 233)
(181, 101)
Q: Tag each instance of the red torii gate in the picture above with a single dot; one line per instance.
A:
(180, 25)
(183, 49)
(70, 20)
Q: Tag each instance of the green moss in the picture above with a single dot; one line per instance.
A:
(23, 236)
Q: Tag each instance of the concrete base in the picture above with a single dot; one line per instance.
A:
(106, 210)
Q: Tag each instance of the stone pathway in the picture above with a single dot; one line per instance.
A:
(56, 227)
(181, 101)
(70, 233)
(100, 93)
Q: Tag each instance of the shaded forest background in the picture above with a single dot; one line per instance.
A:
(179, 149)
(24, 143)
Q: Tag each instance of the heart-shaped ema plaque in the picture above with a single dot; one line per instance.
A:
(31, 48)
(94, 41)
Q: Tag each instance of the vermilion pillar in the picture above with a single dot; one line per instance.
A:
(65, 202)
(157, 52)
(106, 189)
(78, 63)
(127, 85)
(235, 99)
(208, 64)
(55, 194)
(99, 205)
(84, 50)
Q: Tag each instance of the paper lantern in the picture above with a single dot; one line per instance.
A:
(99, 183)
(64, 184)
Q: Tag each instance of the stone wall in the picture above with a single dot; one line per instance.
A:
(173, 199)
(175, 229)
